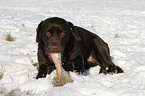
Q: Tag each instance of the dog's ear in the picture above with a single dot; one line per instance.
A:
(74, 31)
(38, 30)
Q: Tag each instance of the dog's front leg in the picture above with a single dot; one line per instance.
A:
(46, 66)
(79, 65)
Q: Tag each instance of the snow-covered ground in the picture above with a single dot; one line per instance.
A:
(121, 23)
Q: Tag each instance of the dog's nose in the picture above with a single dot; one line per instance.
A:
(54, 44)
(54, 47)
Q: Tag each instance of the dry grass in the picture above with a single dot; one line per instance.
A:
(15, 93)
(31, 92)
(1, 75)
(2, 89)
(61, 80)
(11, 93)
(116, 35)
(35, 64)
(2, 70)
(9, 37)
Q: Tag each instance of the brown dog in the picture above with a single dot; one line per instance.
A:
(80, 48)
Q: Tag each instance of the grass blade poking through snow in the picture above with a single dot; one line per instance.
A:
(2, 70)
(9, 37)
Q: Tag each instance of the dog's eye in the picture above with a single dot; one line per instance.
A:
(48, 34)
(61, 33)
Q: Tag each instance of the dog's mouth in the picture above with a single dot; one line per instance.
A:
(54, 49)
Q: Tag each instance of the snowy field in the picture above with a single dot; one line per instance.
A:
(121, 23)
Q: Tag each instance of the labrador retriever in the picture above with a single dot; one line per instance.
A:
(80, 49)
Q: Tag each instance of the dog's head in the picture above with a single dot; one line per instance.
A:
(54, 33)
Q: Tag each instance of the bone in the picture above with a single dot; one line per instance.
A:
(57, 60)
(62, 77)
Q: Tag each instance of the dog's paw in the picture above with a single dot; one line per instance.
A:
(103, 70)
(41, 75)
(114, 69)
(111, 70)
(119, 70)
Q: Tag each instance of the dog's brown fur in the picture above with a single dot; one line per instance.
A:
(80, 48)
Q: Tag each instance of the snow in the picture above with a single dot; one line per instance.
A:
(121, 23)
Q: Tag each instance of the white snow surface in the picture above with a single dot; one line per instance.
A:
(121, 23)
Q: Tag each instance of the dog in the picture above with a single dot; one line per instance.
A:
(80, 49)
